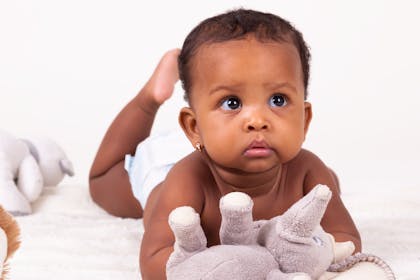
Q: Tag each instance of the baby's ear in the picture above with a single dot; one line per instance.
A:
(308, 115)
(188, 122)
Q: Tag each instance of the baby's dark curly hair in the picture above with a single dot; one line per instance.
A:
(236, 25)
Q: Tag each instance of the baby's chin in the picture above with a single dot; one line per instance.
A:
(249, 167)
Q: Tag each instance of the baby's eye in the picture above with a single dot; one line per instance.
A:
(278, 100)
(231, 103)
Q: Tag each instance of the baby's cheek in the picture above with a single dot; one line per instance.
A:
(289, 143)
(222, 152)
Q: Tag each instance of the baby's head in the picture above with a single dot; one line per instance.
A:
(237, 25)
(245, 76)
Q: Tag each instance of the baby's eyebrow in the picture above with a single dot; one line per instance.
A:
(272, 86)
(277, 86)
(232, 88)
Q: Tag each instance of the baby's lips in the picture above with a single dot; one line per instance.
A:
(258, 152)
(258, 144)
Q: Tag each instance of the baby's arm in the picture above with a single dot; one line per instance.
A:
(337, 220)
(108, 180)
(182, 187)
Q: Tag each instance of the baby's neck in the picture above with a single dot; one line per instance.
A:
(253, 184)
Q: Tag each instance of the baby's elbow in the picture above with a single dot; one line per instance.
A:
(93, 184)
(101, 195)
(94, 188)
(145, 270)
(150, 270)
(153, 261)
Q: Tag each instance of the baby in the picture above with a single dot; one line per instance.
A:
(245, 76)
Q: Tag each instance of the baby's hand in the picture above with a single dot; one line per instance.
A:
(161, 84)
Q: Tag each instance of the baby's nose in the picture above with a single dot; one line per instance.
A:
(256, 121)
(257, 125)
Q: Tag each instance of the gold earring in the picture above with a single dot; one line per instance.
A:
(198, 147)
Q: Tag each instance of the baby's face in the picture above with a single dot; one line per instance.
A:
(248, 100)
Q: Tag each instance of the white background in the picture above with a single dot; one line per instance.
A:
(68, 67)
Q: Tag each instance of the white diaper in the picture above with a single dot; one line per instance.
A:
(154, 157)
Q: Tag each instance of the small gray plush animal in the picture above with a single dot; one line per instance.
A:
(26, 167)
(289, 246)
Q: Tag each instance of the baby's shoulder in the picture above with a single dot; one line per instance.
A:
(306, 160)
(190, 173)
(192, 167)
(313, 170)
(183, 185)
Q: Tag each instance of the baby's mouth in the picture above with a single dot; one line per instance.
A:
(258, 149)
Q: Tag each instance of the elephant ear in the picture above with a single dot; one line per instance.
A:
(298, 223)
(66, 166)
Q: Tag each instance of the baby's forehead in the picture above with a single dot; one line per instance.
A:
(245, 56)
(238, 47)
(214, 46)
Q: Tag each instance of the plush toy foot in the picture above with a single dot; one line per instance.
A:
(236, 202)
(12, 200)
(237, 223)
(185, 223)
(189, 235)
(342, 250)
(278, 275)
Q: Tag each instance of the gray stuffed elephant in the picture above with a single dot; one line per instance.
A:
(289, 246)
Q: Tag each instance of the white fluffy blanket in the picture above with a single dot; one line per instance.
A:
(69, 237)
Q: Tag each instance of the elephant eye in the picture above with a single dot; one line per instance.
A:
(318, 241)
